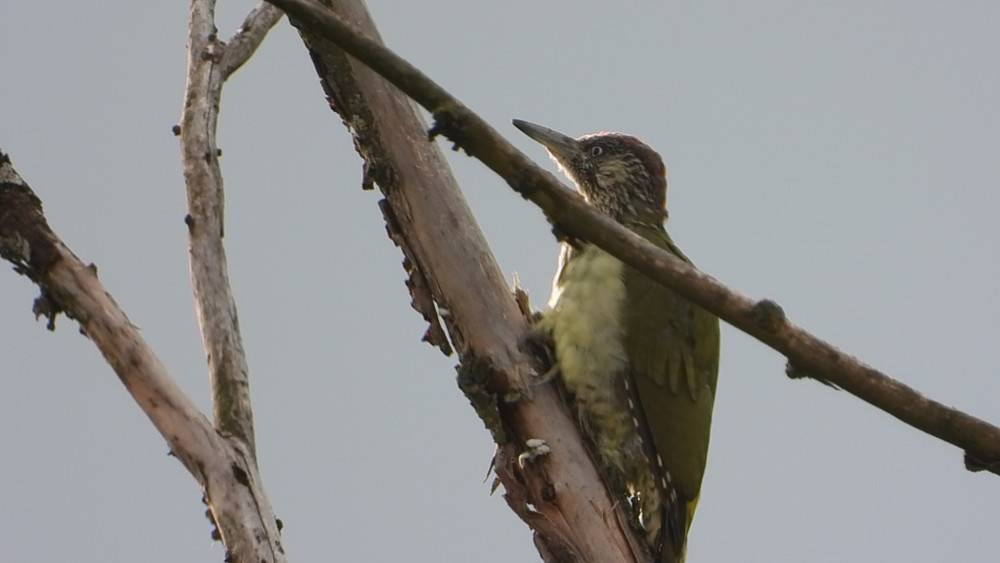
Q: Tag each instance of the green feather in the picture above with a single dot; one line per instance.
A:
(673, 351)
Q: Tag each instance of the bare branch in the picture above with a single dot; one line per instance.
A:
(210, 62)
(242, 45)
(560, 495)
(224, 467)
(763, 319)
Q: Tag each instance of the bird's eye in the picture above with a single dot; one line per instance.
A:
(596, 150)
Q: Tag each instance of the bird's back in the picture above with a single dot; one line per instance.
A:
(673, 347)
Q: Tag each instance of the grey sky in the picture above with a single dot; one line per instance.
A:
(840, 158)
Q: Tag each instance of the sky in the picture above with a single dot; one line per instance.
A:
(839, 158)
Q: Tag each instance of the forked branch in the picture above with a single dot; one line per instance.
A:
(210, 62)
(221, 457)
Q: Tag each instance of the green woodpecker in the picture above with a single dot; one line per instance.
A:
(640, 361)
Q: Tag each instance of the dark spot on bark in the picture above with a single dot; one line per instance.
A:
(474, 380)
(768, 315)
(794, 371)
(436, 129)
(189, 221)
(216, 534)
(279, 524)
(974, 464)
(241, 476)
(451, 122)
(176, 130)
(549, 492)
(45, 306)
(25, 237)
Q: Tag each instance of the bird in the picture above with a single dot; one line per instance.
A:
(639, 361)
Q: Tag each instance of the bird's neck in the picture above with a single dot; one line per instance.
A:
(629, 213)
(618, 203)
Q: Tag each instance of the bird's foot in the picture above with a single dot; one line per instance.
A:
(539, 343)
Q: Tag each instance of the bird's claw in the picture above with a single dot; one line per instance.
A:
(540, 344)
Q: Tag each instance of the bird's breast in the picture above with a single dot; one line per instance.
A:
(586, 323)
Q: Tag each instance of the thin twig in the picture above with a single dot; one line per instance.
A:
(763, 319)
(224, 467)
(210, 62)
(242, 45)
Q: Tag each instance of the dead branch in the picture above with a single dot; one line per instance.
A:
(452, 271)
(223, 466)
(210, 62)
(763, 319)
(242, 45)
(221, 458)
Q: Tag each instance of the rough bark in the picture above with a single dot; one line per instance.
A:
(210, 62)
(560, 495)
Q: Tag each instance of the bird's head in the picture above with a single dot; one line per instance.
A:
(618, 174)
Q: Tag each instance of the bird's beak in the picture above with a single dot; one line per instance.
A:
(562, 147)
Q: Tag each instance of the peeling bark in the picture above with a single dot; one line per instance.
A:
(560, 495)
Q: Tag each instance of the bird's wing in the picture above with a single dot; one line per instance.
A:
(673, 348)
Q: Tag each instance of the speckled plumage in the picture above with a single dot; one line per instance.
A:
(640, 361)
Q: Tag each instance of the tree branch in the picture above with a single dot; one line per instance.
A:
(763, 320)
(210, 62)
(242, 45)
(223, 461)
(451, 271)
(224, 467)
